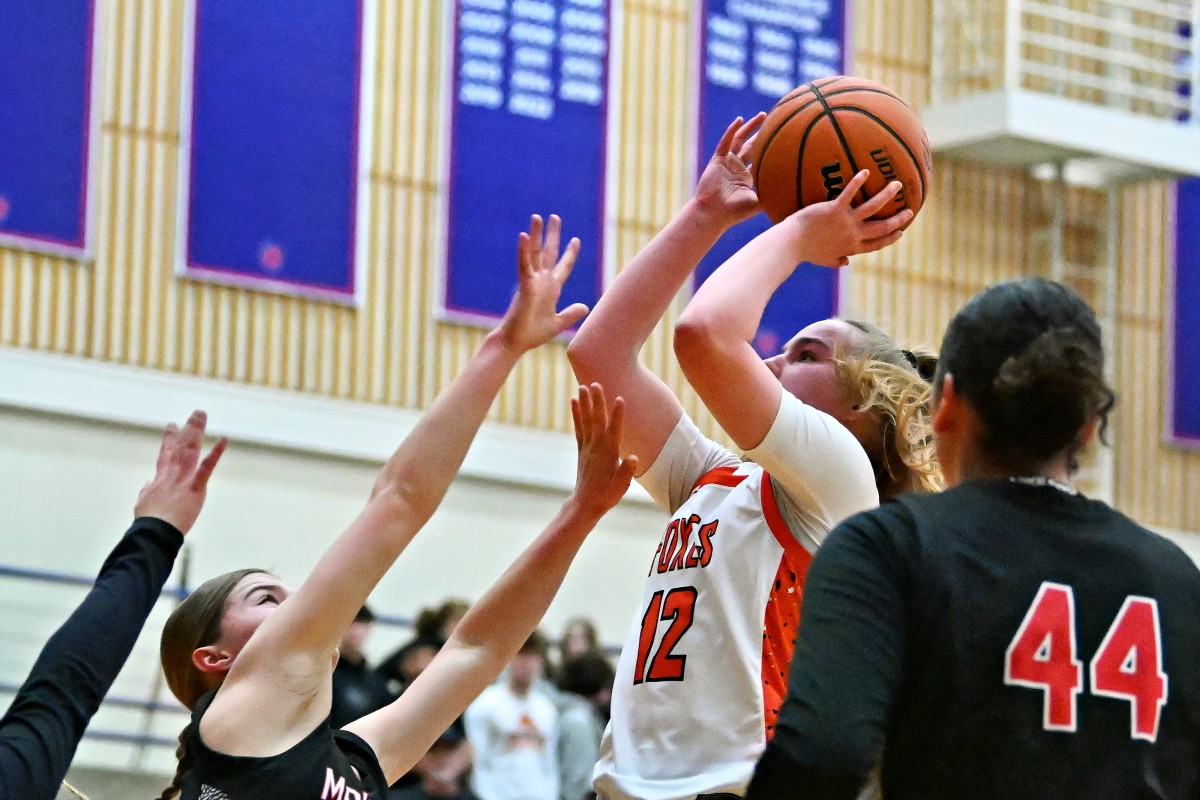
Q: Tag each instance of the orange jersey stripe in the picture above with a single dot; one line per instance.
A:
(720, 476)
(781, 619)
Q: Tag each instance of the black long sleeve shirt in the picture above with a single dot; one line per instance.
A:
(43, 726)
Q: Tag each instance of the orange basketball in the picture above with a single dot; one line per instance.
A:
(820, 135)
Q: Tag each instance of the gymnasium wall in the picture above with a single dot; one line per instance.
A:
(70, 479)
(126, 306)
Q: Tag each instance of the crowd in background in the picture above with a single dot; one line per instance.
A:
(533, 735)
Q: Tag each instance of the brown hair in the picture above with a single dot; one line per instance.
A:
(895, 385)
(194, 623)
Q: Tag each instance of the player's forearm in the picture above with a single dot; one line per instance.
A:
(43, 726)
(629, 310)
(729, 306)
(422, 468)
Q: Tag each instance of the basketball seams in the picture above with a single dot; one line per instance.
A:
(892, 132)
(792, 114)
(799, 116)
(808, 87)
(800, 157)
(837, 129)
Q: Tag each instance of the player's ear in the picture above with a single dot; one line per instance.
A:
(947, 406)
(211, 659)
(1088, 432)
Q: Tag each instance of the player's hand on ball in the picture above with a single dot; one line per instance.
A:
(726, 188)
(829, 233)
(603, 476)
(531, 319)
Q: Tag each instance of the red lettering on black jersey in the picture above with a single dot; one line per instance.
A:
(1128, 665)
(1042, 655)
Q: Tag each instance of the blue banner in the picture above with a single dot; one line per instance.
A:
(1185, 398)
(272, 176)
(528, 117)
(752, 53)
(45, 118)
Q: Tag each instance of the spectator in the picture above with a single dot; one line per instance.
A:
(357, 689)
(430, 631)
(441, 773)
(513, 728)
(586, 690)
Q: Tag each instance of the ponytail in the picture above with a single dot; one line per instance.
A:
(180, 765)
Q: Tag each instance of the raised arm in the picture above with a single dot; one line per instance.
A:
(607, 346)
(490, 634)
(278, 688)
(714, 334)
(43, 726)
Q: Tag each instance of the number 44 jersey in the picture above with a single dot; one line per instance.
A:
(704, 667)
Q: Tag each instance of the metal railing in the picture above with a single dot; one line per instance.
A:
(1139, 56)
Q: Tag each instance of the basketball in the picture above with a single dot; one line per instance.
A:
(821, 134)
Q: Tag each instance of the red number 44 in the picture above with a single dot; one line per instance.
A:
(1127, 665)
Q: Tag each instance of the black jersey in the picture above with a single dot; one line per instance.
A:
(43, 726)
(326, 765)
(998, 640)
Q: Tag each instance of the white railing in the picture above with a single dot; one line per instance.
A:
(1141, 56)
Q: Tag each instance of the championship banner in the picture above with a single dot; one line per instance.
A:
(45, 123)
(528, 114)
(272, 147)
(1185, 393)
(752, 53)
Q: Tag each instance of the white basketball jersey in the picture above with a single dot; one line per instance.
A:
(704, 667)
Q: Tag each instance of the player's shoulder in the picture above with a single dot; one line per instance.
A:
(906, 519)
(1165, 554)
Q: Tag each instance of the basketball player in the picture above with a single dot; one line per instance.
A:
(836, 420)
(43, 726)
(254, 661)
(1008, 637)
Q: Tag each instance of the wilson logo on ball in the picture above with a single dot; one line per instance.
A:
(822, 133)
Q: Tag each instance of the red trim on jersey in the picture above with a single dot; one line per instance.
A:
(779, 529)
(781, 618)
(720, 476)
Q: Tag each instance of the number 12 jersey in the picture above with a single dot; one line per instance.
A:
(704, 667)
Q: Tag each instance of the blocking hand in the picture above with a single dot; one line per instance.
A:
(176, 492)
(603, 477)
(531, 319)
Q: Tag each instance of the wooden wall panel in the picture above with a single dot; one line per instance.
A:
(127, 306)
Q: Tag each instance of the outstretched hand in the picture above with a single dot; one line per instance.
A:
(176, 492)
(829, 233)
(531, 319)
(726, 187)
(603, 476)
